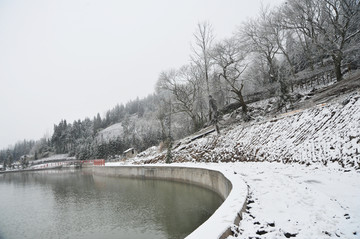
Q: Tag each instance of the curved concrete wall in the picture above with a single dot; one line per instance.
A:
(213, 180)
(210, 179)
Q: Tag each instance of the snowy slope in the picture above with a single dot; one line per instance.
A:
(111, 132)
(302, 168)
(323, 134)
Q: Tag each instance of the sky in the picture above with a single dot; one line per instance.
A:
(72, 59)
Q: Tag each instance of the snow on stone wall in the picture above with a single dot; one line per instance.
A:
(322, 134)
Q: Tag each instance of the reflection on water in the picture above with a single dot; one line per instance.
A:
(77, 204)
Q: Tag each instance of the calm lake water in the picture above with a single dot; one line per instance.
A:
(77, 204)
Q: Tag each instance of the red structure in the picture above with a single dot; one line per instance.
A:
(99, 162)
(95, 162)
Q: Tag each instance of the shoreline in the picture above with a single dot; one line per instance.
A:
(234, 192)
(30, 170)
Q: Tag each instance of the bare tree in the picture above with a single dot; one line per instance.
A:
(328, 23)
(201, 50)
(185, 89)
(285, 42)
(256, 34)
(230, 59)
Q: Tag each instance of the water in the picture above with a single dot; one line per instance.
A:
(77, 204)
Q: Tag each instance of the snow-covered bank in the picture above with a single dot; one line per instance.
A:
(54, 158)
(294, 200)
(327, 133)
(302, 168)
(291, 200)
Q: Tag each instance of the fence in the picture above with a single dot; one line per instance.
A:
(95, 162)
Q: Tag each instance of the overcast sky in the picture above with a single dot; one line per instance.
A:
(70, 59)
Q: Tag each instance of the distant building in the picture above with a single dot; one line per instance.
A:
(129, 153)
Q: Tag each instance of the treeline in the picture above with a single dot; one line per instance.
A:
(84, 139)
(81, 137)
(268, 53)
(11, 155)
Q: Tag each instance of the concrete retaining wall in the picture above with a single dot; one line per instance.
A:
(211, 179)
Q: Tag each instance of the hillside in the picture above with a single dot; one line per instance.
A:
(324, 128)
(307, 184)
(111, 132)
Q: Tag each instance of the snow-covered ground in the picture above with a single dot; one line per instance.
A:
(302, 168)
(327, 133)
(111, 132)
(56, 157)
(291, 200)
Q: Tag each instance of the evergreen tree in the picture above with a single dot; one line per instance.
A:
(9, 158)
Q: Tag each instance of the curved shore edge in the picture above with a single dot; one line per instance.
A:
(231, 189)
(31, 170)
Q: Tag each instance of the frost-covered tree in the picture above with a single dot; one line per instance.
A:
(229, 57)
(256, 36)
(185, 88)
(9, 158)
(201, 47)
(97, 123)
(329, 24)
(42, 148)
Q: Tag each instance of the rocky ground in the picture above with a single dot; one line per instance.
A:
(324, 128)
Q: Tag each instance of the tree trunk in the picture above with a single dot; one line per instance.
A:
(337, 69)
(242, 102)
(241, 98)
(196, 123)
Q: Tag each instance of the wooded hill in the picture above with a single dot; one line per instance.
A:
(283, 54)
